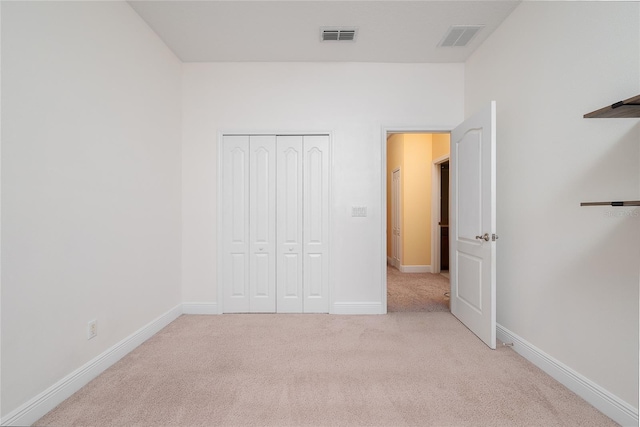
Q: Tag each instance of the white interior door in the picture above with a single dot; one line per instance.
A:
(290, 187)
(473, 224)
(262, 224)
(395, 218)
(316, 224)
(235, 223)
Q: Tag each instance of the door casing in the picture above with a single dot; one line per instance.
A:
(386, 130)
(396, 215)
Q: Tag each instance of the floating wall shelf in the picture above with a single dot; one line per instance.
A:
(628, 108)
(629, 203)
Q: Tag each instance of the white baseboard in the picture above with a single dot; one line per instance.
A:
(357, 308)
(607, 403)
(200, 308)
(415, 269)
(40, 405)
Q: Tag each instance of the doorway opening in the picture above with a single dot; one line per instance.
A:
(417, 206)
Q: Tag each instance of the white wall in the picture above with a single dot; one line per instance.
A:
(567, 275)
(353, 101)
(90, 186)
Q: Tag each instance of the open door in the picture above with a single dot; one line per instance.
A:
(473, 224)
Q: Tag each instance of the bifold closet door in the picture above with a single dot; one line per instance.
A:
(303, 221)
(290, 244)
(316, 224)
(248, 223)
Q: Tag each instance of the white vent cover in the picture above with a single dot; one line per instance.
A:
(338, 34)
(459, 35)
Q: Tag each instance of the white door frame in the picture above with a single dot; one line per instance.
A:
(436, 181)
(398, 254)
(218, 198)
(386, 130)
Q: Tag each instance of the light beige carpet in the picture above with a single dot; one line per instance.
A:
(400, 369)
(416, 291)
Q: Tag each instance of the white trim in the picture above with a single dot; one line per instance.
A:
(607, 403)
(358, 308)
(415, 269)
(40, 405)
(200, 308)
(441, 159)
(331, 287)
(219, 246)
(397, 261)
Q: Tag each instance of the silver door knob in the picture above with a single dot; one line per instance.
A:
(290, 249)
(484, 237)
(261, 248)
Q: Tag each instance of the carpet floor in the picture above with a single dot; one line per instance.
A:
(416, 291)
(400, 369)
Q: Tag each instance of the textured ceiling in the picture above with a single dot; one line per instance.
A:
(282, 31)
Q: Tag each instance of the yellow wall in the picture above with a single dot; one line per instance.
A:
(440, 144)
(416, 186)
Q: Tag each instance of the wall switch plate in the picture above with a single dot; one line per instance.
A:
(92, 329)
(358, 211)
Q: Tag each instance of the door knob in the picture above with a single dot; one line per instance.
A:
(484, 237)
(261, 248)
(290, 249)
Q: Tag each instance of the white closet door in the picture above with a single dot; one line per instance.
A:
(290, 224)
(316, 224)
(235, 223)
(262, 224)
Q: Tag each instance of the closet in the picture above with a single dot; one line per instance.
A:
(275, 223)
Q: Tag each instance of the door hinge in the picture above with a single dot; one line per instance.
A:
(494, 237)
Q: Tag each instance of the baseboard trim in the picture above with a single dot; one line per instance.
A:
(606, 402)
(415, 269)
(357, 308)
(40, 405)
(200, 308)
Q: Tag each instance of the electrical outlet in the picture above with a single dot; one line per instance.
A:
(92, 329)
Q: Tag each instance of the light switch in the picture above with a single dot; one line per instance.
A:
(358, 211)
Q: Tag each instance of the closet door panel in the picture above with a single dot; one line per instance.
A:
(315, 275)
(262, 223)
(235, 223)
(289, 224)
(292, 278)
(316, 224)
(238, 270)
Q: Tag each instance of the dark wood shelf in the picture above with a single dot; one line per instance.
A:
(617, 204)
(629, 108)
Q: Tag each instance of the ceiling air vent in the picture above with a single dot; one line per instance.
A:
(338, 34)
(459, 35)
